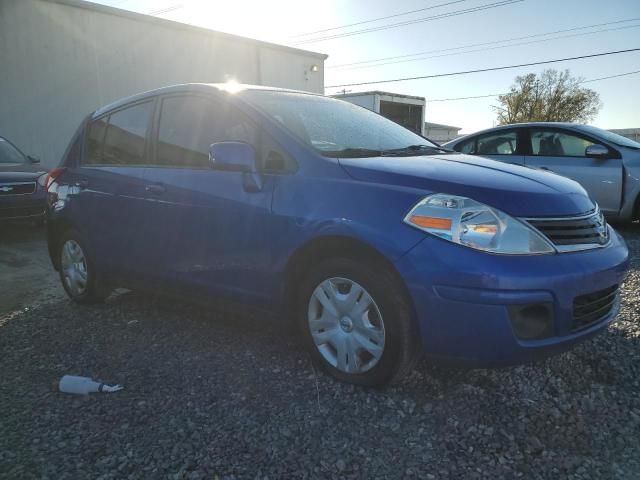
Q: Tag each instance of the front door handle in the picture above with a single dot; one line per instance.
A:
(82, 183)
(156, 188)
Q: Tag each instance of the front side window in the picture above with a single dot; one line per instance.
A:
(336, 128)
(497, 143)
(610, 136)
(9, 153)
(190, 124)
(553, 143)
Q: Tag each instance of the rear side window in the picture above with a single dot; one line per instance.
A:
(95, 141)
(119, 139)
(190, 124)
(497, 143)
(125, 138)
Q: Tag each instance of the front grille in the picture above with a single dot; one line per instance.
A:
(22, 188)
(21, 212)
(571, 232)
(592, 307)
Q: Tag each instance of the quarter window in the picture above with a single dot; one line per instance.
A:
(552, 143)
(497, 143)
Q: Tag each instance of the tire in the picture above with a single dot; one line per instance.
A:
(78, 274)
(382, 340)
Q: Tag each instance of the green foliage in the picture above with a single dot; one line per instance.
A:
(552, 96)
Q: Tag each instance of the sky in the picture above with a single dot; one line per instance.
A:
(284, 21)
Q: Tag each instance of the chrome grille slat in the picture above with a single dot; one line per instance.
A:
(574, 233)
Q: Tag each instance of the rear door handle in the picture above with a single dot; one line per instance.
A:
(82, 183)
(155, 188)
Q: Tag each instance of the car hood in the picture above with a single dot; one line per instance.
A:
(20, 172)
(514, 189)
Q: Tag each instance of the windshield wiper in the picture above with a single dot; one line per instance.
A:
(352, 152)
(414, 150)
(357, 152)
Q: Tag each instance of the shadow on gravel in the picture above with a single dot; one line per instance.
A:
(26, 275)
(21, 232)
(212, 390)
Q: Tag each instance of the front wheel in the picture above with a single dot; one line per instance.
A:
(358, 322)
(77, 272)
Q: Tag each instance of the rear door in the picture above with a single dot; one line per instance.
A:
(503, 145)
(563, 152)
(113, 208)
(210, 232)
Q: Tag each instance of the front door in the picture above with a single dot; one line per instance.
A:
(211, 231)
(563, 152)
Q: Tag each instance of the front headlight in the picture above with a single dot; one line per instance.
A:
(475, 225)
(42, 179)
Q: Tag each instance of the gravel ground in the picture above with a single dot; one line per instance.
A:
(213, 393)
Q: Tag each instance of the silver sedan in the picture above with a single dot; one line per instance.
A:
(607, 165)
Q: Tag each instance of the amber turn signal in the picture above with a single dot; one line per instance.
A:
(431, 222)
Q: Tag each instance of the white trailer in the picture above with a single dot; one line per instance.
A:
(406, 110)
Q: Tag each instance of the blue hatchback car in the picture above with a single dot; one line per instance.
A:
(382, 245)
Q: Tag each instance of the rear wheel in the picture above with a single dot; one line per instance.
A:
(357, 322)
(77, 272)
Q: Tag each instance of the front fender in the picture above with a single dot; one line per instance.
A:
(329, 207)
(630, 191)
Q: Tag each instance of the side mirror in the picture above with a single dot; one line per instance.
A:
(233, 156)
(33, 159)
(597, 151)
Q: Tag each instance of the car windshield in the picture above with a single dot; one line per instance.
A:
(336, 128)
(9, 153)
(610, 137)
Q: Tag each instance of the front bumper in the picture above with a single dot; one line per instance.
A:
(462, 298)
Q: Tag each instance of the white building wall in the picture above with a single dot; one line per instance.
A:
(62, 59)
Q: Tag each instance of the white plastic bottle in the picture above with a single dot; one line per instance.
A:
(84, 385)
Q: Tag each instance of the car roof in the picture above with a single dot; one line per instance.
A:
(229, 88)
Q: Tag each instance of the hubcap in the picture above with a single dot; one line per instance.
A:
(74, 267)
(346, 325)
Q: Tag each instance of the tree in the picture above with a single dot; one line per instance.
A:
(552, 96)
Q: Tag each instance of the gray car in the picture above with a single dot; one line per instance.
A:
(607, 165)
